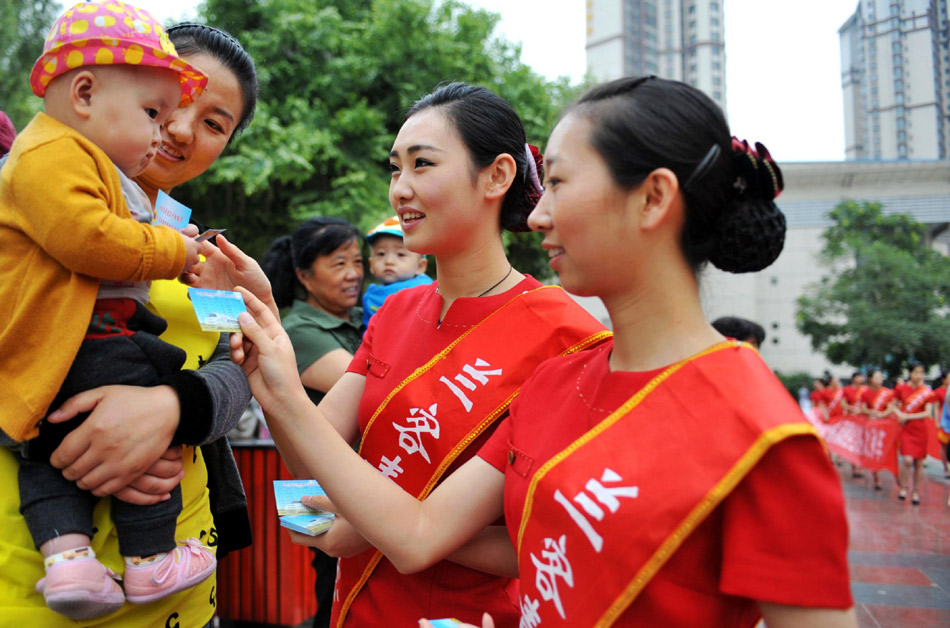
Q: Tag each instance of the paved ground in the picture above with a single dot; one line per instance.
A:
(899, 553)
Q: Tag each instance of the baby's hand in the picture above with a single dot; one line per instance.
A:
(191, 252)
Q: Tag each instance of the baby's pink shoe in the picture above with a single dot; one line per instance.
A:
(182, 568)
(80, 587)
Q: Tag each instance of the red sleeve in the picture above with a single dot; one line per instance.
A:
(785, 536)
(867, 397)
(495, 451)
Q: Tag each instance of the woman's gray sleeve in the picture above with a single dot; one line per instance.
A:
(228, 388)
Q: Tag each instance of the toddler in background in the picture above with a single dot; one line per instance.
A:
(77, 253)
(393, 265)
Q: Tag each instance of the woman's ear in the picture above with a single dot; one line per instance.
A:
(500, 173)
(659, 193)
(82, 87)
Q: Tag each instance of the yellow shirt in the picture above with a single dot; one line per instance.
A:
(21, 565)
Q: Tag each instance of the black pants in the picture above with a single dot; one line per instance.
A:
(51, 504)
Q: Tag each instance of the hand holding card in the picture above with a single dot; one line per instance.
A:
(293, 514)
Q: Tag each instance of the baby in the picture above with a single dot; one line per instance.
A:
(392, 264)
(77, 252)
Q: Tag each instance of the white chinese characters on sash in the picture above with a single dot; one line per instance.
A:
(421, 422)
(597, 500)
(478, 374)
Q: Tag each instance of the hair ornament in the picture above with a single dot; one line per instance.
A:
(535, 162)
(757, 174)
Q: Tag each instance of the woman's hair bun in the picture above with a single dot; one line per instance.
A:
(751, 234)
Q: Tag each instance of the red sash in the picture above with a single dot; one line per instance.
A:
(877, 404)
(835, 400)
(429, 419)
(606, 513)
(916, 398)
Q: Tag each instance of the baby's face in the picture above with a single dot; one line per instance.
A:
(128, 108)
(390, 261)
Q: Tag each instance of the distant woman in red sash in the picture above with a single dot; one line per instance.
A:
(611, 524)
(912, 407)
(439, 364)
(876, 404)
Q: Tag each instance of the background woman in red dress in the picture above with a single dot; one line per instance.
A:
(913, 404)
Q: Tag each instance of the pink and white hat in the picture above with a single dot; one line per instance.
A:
(111, 32)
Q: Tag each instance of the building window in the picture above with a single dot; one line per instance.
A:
(774, 325)
(717, 95)
(718, 66)
(717, 82)
(692, 69)
(773, 280)
(692, 9)
(774, 340)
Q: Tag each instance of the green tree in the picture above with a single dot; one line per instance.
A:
(336, 79)
(23, 28)
(886, 301)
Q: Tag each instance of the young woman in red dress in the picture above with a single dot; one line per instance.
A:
(875, 403)
(912, 405)
(610, 524)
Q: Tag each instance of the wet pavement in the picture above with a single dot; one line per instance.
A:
(899, 553)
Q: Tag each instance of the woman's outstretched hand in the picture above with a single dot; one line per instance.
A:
(225, 267)
(267, 358)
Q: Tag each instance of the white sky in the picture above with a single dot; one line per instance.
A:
(783, 77)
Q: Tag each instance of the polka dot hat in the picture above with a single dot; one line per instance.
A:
(111, 33)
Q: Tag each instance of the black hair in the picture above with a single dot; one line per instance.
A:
(313, 238)
(640, 124)
(488, 126)
(856, 374)
(190, 38)
(914, 364)
(739, 328)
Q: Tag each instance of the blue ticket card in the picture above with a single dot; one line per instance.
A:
(445, 623)
(288, 493)
(170, 212)
(292, 512)
(217, 310)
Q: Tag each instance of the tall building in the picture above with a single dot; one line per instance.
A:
(895, 73)
(675, 39)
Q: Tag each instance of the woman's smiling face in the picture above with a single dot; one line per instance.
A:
(194, 136)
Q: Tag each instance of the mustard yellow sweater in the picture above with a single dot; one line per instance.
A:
(63, 226)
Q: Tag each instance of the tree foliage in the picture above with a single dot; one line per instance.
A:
(887, 301)
(336, 78)
(23, 28)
